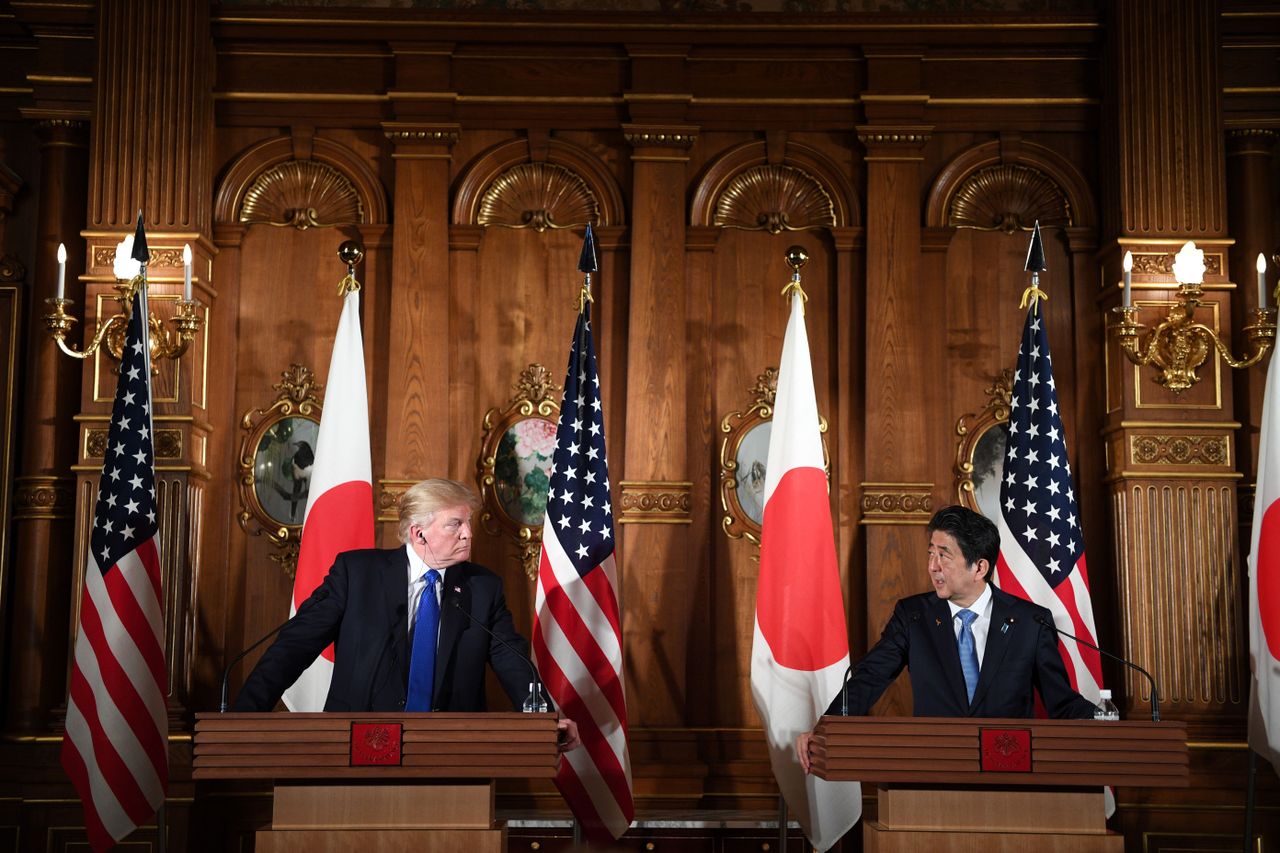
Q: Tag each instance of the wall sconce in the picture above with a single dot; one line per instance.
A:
(130, 275)
(1179, 345)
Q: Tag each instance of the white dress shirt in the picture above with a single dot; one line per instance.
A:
(981, 625)
(418, 584)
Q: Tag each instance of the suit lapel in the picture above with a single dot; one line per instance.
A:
(998, 634)
(942, 633)
(453, 619)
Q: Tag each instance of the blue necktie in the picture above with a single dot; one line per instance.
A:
(422, 660)
(968, 651)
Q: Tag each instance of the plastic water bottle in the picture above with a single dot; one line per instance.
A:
(1107, 709)
(536, 703)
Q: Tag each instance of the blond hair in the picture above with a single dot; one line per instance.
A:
(420, 503)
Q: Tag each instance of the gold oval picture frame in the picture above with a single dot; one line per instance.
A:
(514, 467)
(277, 452)
(981, 449)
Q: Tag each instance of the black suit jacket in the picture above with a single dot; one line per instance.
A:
(363, 611)
(1020, 656)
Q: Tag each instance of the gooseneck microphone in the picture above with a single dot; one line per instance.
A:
(533, 669)
(319, 595)
(844, 691)
(1155, 693)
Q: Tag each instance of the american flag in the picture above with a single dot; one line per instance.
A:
(1041, 545)
(577, 635)
(115, 746)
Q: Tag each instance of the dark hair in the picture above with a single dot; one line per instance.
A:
(976, 534)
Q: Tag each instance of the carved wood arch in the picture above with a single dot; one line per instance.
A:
(263, 156)
(956, 174)
(737, 161)
(491, 164)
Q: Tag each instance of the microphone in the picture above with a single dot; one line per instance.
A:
(844, 691)
(319, 595)
(1155, 693)
(537, 678)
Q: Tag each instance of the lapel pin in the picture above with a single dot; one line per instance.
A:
(937, 621)
(457, 589)
(1005, 628)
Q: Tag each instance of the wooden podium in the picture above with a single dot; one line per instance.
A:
(393, 783)
(996, 784)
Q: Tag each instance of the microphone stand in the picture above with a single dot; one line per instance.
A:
(319, 595)
(1155, 693)
(533, 669)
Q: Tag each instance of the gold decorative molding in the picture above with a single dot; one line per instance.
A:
(893, 138)
(62, 124)
(302, 194)
(774, 198)
(410, 132)
(1161, 263)
(660, 136)
(656, 502)
(538, 196)
(105, 256)
(1179, 450)
(897, 503)
(41, 497)
(387, 504)
(167, 443)
(1008, 198)
(1260, 133)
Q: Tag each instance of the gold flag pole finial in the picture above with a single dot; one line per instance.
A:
(796, 258)
(350, 254)
(584, 296)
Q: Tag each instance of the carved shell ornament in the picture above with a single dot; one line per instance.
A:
(538, 196)
(774, 198)
(302, 194)
(1008, 198)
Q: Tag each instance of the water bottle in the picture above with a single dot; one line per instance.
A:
(536, 703)
(1107, 709)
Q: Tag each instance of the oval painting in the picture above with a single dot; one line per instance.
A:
(752, 456)
(522, 469)
(282, 468)
(988, 470)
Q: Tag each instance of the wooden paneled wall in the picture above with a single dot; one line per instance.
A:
(907, 154)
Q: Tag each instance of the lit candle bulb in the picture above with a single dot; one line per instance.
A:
(1128, 279)
(1262, 281)
(186, 272)
(62, 270)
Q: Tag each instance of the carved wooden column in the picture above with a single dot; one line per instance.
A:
(1173, 479)
(654, 497)
(897, 494)
(151, 151)
(1251, 215)
(418, 440)
(44, 491)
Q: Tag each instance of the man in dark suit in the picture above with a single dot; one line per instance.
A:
(371, 606)
(972, 650)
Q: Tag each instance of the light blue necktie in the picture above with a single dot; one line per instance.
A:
(968, 651)
(422, 660)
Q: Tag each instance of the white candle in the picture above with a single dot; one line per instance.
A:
(62, 270)
(1128, 279)
(186, 272)
(1262, 281)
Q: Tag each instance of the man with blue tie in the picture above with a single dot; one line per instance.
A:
(408, 624)
(972, 650)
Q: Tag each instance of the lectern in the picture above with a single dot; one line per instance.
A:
(393, 783)
(996, 785)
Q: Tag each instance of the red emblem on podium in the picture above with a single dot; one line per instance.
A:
(1006, 750)
(375, 744)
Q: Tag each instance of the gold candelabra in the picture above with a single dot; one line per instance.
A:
(110, 334)
(1179, 345)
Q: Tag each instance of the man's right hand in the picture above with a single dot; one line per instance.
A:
(802, 749)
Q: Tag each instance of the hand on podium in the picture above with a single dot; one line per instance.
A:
(802, 749)
(567, 734)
